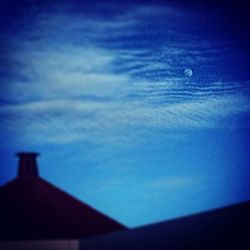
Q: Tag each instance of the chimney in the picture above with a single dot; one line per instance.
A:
(27, 165)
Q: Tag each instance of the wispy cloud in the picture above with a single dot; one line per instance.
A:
(103, 122)
(174, 182)
(75, 77)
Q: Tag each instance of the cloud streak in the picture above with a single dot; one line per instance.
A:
(80, 70)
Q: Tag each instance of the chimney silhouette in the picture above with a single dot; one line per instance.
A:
(27, 164)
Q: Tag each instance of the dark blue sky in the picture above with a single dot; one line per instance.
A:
(100, 90)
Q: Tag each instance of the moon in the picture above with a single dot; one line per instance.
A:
(188, 72)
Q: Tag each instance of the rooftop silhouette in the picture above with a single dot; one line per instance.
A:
(32, 208)
(223, 228)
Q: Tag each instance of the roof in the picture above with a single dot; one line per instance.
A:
(32, 208)
(223, 228)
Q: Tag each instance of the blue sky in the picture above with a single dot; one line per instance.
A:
(100, 90)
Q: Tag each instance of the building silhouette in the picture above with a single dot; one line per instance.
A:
(225, 228)
(34, 214)
(32, 208)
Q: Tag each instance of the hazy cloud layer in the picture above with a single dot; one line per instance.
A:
(79, 76)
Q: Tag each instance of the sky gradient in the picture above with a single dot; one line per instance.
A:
(100, 90)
